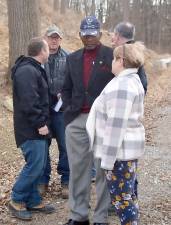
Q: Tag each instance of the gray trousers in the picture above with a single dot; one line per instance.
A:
(80, 163)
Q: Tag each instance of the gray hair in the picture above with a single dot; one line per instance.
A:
(126, 30)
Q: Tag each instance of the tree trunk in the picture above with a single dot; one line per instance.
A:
(136, 17)
(85, 8)
(63, 6)
(100, 13)
(160, 24)
(23, 24)
(93, 7)
(67, 4)
(126, 4)
(56, 5)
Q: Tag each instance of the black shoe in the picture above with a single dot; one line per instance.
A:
(74, 222)
(47, 209)
(100, 223)
(93, 179)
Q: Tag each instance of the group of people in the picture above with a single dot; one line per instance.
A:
(91, 102)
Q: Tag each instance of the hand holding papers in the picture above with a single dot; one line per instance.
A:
(58, 105)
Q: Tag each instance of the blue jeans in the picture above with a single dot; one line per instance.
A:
(25, 189)
(58, 130)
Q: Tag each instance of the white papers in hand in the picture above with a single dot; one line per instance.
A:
(58, 105)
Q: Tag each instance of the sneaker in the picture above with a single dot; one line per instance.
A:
(42, 188)
(47, 209)
(19, 211)
(65, 191)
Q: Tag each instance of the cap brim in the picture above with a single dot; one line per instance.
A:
(54, 32)
(90, 32)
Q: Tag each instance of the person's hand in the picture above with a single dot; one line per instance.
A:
(59, 96)
(43, 130)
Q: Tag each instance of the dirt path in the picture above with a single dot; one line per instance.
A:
(155, 172)
(154, 175)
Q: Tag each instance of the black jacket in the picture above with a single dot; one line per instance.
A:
(30, 99)
(141, 72)
(74, 93)
(143, 78)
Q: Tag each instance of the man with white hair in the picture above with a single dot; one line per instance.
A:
(124, 33)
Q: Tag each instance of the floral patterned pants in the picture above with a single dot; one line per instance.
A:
(121, 182)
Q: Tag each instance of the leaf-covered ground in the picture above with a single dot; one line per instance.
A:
(154, 171)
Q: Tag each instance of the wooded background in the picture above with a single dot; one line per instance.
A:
(152, 19)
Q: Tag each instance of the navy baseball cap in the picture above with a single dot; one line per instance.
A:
(90, 26)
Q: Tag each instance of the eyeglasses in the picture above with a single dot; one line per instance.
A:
(54, 37)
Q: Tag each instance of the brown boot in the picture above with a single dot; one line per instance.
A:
(65, 191)
(19, 210)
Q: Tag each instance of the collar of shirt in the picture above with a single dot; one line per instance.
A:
(127, 72)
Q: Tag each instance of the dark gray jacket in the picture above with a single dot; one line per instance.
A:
(55, 70)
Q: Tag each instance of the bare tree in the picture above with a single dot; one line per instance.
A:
(160, 24)
(63, 6)
(135, 16)
(23, 23)
(114, 14)
(152, 18)
(93, 7)
(76, 4)
(126, 5)
(56, 5)
(67, 4)
(100, 13)
(85, 7)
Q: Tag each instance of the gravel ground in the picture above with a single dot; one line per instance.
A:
(154, 173)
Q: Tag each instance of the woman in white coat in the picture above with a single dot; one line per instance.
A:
(116, 132)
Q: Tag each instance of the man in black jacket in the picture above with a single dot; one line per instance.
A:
(31, 127)
(88, 70)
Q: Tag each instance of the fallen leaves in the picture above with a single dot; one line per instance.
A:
(157, 211)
